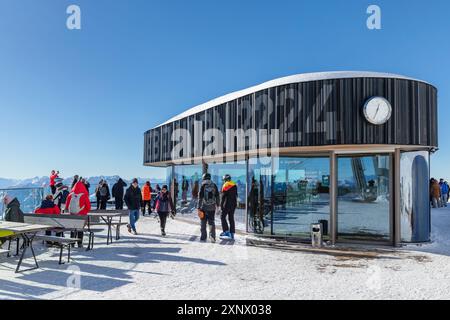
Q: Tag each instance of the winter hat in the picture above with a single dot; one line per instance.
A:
(7, 199)
(135, 181)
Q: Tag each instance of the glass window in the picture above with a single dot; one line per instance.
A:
(414, 197)
(301, 195)
(187, 180)
(364, 197)
(259, 200)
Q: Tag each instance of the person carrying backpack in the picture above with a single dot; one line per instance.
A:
(208, 202)
(228, 206)
(164, 207)
(61, 194)
(78, 203)
(105, 195)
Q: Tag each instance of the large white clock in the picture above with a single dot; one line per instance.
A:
(377, 110)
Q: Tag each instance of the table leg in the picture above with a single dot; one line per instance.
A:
(28, 243)
(109, 222)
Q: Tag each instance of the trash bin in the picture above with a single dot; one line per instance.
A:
(316, 235)
(324, 227)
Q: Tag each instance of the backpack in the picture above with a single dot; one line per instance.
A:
(75, 203)
(103, 191)
(209, 195)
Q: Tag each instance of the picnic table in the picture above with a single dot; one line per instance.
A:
(28, 232)
(107, 217)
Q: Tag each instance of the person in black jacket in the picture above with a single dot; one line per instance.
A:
(133, 200)
(208, 202)
(105, 195)
(228, 204)
(117, 193)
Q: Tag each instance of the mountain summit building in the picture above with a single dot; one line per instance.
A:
(348, 149)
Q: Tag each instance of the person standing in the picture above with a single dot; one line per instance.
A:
(86, 184)
(78, 203)
(195, 190)
(62, 192)
(105, 195)
(133, 200)
(75, 180)
(228, 204)
(208, 202)
(146, 198)
(164, 207)
(184, 190)
(54, 175)
(435, 192)
(97, 193)
(444, 193)
(117, 193)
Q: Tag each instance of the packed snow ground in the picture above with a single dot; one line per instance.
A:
(148, 266)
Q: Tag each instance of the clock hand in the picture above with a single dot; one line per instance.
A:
(378, 109)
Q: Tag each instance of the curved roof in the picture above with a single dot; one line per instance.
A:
(305, 77)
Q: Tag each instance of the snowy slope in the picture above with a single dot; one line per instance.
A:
(180, 267)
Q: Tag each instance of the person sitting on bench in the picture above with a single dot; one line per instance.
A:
(49, 207)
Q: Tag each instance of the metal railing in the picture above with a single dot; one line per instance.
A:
(29, 198)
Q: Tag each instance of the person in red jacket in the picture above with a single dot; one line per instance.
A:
(53, 176)
(78, 203)
(48, 206)
(78, 200)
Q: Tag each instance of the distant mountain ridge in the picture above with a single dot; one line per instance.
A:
(38, 182)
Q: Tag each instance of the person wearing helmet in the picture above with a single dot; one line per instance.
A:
(228, 204)
(208, 202)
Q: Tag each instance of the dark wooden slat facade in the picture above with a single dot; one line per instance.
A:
(315, 113)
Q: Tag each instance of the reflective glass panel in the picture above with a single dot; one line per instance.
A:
(364, 197)
(301, 195)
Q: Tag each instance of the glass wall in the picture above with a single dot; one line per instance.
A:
(187, 181)
(363, 211)
(301, 195)
(415, 218)
(259, 203)
(29, 198)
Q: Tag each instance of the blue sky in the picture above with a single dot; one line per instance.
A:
(81, 100)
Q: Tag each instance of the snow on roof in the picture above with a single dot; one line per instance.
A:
(305, 77)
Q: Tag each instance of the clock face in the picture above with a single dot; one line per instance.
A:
(377, 110)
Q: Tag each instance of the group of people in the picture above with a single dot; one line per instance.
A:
(210, 201)
(76, 201)
(439, 193)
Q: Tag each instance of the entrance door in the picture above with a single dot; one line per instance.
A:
(364, 198)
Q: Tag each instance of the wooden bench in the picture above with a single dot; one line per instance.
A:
(61, 242)
(62, 223)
